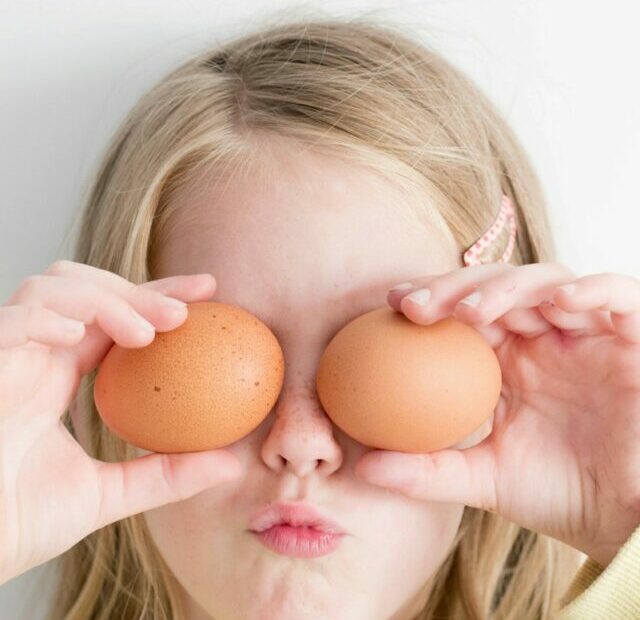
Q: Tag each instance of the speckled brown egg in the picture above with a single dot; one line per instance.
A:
(395, 385)
(203, 385)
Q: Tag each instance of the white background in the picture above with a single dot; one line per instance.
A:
(564, 74)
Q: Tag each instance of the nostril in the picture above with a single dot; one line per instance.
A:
(303, 469)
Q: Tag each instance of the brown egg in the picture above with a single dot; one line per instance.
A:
(201, 386)
(393, 384)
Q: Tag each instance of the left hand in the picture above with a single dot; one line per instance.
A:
(563, 456)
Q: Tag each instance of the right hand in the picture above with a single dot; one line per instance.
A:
(52, 494)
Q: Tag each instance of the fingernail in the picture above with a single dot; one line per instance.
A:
(421, 296)
(144, 324)
(172, 303)
(405, 286)
(472, 300)
(569, 289)
(72, 326)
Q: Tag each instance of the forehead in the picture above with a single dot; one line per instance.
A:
(303, 232)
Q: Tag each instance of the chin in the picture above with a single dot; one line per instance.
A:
(294, 606)
(289, 592)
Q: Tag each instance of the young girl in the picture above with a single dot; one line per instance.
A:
(302, 172)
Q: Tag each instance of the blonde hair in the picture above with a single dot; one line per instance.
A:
(370, 94)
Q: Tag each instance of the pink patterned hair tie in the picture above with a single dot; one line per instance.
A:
(506, 214)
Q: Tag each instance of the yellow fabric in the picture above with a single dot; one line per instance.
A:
(611, 593)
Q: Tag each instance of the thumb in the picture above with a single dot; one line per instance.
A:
(156, 479)
(459, 476)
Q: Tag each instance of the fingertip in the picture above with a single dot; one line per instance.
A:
(359, 468)
(471, 315)
(565, 295)
(393, 300)
(415, 315)
(226, 463)
(208, 279)
(402, 289)
(234, 469)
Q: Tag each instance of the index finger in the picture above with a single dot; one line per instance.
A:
(188, 287)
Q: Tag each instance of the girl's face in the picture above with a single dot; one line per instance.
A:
(306, 249)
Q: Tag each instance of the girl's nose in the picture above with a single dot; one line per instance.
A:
(301, 438)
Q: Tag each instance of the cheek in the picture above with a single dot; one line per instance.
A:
(405, 541)
(206, 524)
(176, 529)
(189, 535)
(424, 533)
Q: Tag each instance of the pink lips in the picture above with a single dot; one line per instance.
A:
(296, 530)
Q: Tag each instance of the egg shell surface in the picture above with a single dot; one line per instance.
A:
(393, 384)
(201, 386)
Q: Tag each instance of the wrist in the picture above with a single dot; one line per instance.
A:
(603, 554)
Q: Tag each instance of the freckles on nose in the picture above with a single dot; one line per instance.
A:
(302, 436)
(304, 425)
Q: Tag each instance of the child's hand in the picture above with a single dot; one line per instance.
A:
(52, 494)
(563, 457)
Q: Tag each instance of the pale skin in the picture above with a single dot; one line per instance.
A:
(306, 249)
(53, 494)
(276, 273)
(568, 421)
(316, 247)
